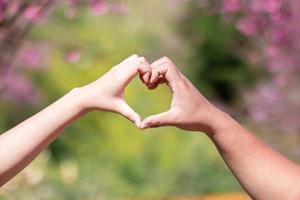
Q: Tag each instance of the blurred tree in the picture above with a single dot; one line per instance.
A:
(102, 155)
(23, 60)
(17, 18)
(217, 64)
(235, 34)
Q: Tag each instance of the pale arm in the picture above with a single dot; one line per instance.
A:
(21, 144)
(263, 172)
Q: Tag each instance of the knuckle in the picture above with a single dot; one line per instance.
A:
(155, 123)
(135, 56)
(166, 59)
(143, 59)
(133, 59)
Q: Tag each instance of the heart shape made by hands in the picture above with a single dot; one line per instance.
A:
(162, 72)
(145, 103)
(185, 97)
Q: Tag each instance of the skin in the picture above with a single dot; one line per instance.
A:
(263, 172)
(21, 144)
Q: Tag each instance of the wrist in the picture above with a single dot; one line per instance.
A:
(218, 122)
(78, 98)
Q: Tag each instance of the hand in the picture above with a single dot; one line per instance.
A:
(107, 93)
(189, 109)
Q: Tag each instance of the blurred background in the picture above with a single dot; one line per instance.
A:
(242, 55)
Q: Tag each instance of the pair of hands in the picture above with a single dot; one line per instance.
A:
(189, 110)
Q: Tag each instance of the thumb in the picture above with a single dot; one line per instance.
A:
(125, 110)
(162, 119)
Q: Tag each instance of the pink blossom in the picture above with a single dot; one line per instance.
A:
(73, 56)
(276, 35)
(99, 7)
(119, 8)
(248, 26)
(33, 13)
(1, 16)
(263, 102)
(280, 80)
(71, 12)
(259, 115)
(13, 8)
(279, 18)
(17, 88)
(32, 58)
(231, 6)
(71, 2)
(3, 5)
(272, 51)
(175, 3)
(271, 6)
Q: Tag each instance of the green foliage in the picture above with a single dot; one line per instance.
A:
(112, 159)
(217, 66)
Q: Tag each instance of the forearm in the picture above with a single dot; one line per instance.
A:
(261, 170)
(20, 145)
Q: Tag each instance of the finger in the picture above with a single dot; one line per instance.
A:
(153, 86)
(144, 70)
(163, 61)
(165, 71)
(157, 76)
(162, 119)
(145, 77)
(154, 77)
(128, 69)
(125, 110)
(128, 61)
(132, 66)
